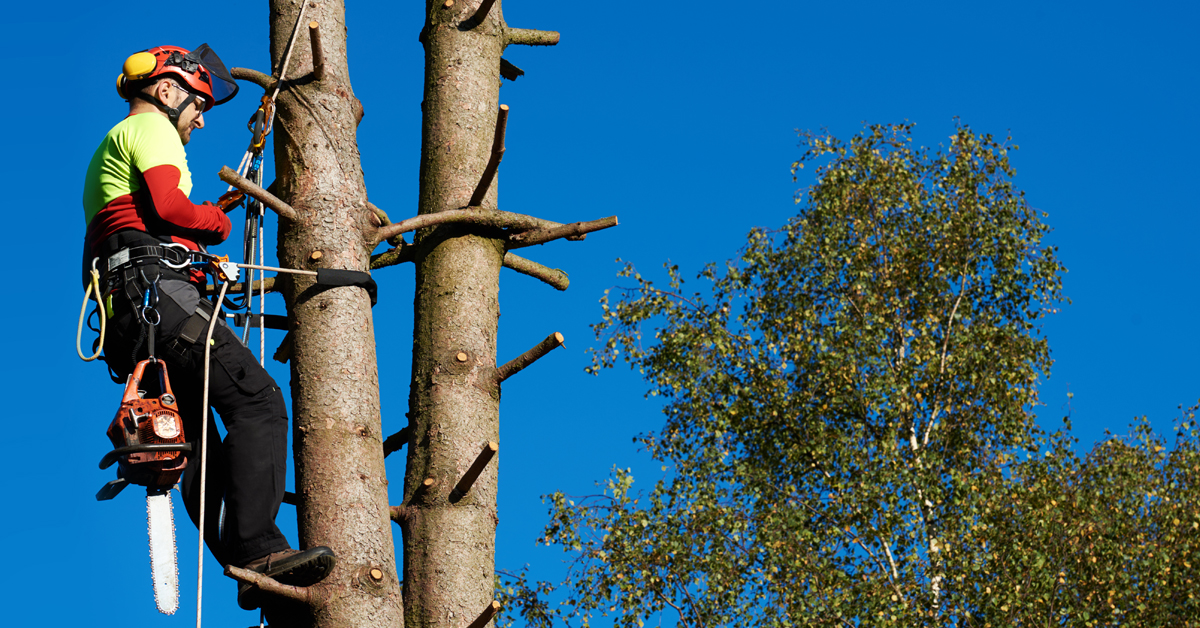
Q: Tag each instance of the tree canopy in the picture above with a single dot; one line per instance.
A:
(849, 437)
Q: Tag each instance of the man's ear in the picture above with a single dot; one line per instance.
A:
(162, 91)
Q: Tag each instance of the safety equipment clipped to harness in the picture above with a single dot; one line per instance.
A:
(148, 435)
(147, 432)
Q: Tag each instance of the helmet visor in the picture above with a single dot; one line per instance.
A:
(223, 85)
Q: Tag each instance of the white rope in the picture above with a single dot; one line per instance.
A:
(212, 324)
(262, 281)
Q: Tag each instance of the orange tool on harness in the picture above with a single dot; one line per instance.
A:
(147, 432)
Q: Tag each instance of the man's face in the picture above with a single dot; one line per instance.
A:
(190, 118)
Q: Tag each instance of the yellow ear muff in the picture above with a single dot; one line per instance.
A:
(121, 86)
(139, 65)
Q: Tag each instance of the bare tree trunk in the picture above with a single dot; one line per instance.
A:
(340, 479)
(454, 399)
(462, 241)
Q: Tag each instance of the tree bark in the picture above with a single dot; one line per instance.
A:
(449, 546)
(340, 481)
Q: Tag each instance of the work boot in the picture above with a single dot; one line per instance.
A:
(293, 567)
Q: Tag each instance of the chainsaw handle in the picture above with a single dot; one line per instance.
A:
(139, 373)
(131, 384)
(111, 457)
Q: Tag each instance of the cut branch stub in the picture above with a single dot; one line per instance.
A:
(318, 52)
(517, 364)
(551, 276)
(270, 586)
(251, 189)
(486, 616)
(468, 479)
(530, 37)
(480, 15)
(261, 79)
(394, 442)
(489, 172)
(403, 253)
(572, 231)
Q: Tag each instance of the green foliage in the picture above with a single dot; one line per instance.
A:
(847, 431)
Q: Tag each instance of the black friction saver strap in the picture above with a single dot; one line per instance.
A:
(337, 278)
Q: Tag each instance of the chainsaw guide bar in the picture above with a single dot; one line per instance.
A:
(160, 521)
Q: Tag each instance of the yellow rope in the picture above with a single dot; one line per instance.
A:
(92, 288)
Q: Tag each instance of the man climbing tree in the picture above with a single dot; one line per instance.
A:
(143, 234)
(461, 242)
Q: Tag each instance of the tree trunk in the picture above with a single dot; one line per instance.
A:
(448, 522)
(340, 481)
(454, 399)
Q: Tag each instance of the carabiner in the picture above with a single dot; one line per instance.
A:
(146, 312)
(187, 255)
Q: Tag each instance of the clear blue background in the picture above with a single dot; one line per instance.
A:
(677, 117)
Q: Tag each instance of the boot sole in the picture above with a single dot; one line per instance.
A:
(301, 570)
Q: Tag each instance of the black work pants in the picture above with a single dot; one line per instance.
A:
(247, 469)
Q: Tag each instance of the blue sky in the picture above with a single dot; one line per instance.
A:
(679, 118)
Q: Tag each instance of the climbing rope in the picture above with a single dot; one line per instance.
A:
(250, 167)
(93, 288)
(252, 160)
(212, 325)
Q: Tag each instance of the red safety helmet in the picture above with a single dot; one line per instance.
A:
(201, 71)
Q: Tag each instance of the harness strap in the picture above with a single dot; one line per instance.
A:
(173, 255)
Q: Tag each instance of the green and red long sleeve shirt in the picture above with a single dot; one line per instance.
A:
(138, 179)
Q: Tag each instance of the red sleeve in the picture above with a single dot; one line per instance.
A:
(176, 214)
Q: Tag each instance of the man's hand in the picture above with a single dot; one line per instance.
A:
(229, 200)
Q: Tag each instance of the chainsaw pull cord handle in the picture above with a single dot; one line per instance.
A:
(92, 290)
(212, 325)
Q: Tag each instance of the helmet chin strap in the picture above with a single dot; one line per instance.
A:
(173, 113)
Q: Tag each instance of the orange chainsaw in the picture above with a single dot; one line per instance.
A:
(150, 449)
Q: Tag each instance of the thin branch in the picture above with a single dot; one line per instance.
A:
(517, 364)
(472, 216)
(486, 615)
(468, 479)
(318, 52)
(394, 442)
(284, 352)
(391, 257)
(251, 189)
(530, 37)
(571, 231)
(962, 289)
(265, 81)
(271, 586)
(510, 71)
(489, 172)
(551, 276)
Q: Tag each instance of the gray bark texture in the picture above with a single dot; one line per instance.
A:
(340, 481)
(454, 405)
(327, 222)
